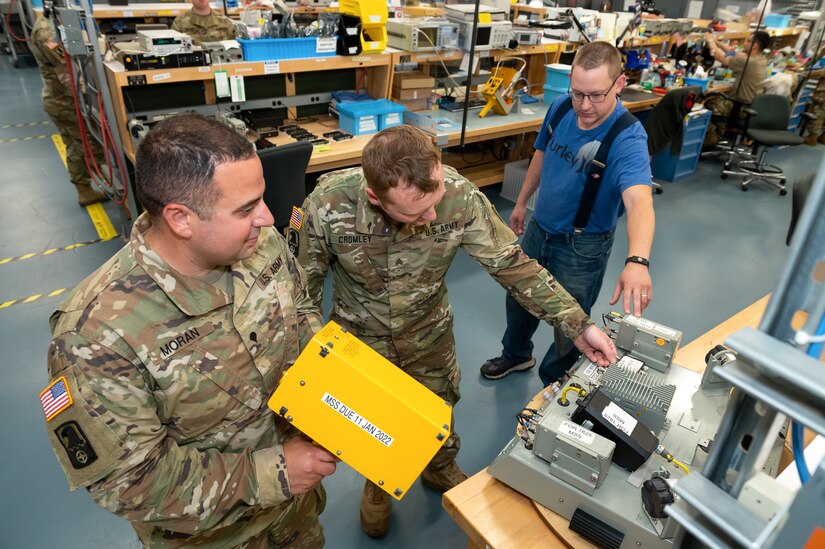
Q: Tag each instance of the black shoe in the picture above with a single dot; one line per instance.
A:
(497, 368)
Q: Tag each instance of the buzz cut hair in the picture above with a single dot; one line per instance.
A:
(595, 54)
(176, 163)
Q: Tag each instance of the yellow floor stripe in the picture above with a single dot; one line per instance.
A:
(28, 138)
(30, 299)
(24, 124)
(61, 148)
(50, 251)
(104, 227)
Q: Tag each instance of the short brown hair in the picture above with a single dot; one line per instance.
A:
(596, 54)
(762, 38)
(176, 162)
(401, 155)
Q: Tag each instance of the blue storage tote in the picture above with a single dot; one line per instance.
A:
(267, 49)
(358, 117)
(673, 168)
(697, 82)
(389, 114)
(551, 93)
(777, 21)
(557, 75)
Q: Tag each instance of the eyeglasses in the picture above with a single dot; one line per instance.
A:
(594, 97)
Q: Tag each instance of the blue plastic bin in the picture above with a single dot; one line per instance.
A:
(359, 117)
(551, 93)
(267, 49)
(557, 75)
(777, 21)
(389, 114)
(697, 82)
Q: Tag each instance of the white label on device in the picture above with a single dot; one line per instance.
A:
(630, 364)
(272, 67)
(619, 418)
(355, 418)
(577, 432)
(648, 325)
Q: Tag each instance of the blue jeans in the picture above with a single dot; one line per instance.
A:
(578, 262)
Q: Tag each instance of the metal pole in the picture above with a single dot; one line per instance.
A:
(103, 90)
(469, 80)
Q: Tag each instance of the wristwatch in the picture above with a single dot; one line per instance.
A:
(637, 259)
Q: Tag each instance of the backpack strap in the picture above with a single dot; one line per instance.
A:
(595, 171)
(563, 109)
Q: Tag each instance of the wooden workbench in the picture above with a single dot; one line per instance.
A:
(348, 153)
(494, 515)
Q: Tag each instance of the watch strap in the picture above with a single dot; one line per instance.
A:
(637, 259)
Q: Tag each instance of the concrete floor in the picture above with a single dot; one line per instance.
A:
(717, 250)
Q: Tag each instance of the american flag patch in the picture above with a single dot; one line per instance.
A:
(296, 221)
(56, 398)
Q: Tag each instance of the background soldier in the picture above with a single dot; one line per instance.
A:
(163, 359)
(203, 24)
(390, 231)
(59, 105)
(749, 67)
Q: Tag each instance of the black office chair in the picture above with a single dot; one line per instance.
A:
(285, 169)
(766, 124)
(734, 127)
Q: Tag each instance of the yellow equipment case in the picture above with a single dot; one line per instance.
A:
(363, 409)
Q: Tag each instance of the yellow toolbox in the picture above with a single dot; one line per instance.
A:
(364, 409)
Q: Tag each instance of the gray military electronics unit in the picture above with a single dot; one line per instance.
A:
(422, 34)
(490, 35)
(164, 41)
(525, 37)
(571, 466)
(228, 51)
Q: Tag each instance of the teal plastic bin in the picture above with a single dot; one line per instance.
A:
(389, 114)
(359, 117)
(557, 75)
(777, 21)
(697, 82)
(551, 93)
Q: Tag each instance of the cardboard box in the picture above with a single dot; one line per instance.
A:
(415, 79)
(411, 93)
(414, 104)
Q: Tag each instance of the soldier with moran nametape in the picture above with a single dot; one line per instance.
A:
(163, 359)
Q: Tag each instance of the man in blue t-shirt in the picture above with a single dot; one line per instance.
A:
(578, 259)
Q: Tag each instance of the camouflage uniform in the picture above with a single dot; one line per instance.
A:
(748, 85)
(388, 280)
(205, 28)
(170, 376)
(817, 107)
(59, 103)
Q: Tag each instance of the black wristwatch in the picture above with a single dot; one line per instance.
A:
(637, 259)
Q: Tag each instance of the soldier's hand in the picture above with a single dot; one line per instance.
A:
(306, 464)
(596, 346)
